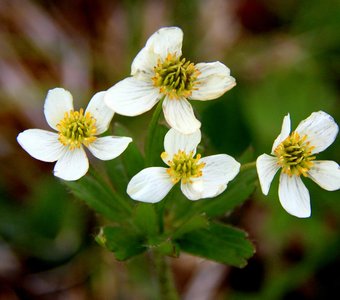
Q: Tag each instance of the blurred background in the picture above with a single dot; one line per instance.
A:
(285, 56)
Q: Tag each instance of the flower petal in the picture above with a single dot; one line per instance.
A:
(109, 147)
(180, 115)
(100, 112)
(175, 141)
(294, 196)
(326, 174)
(193, 191)
(143, 65)
(217, 172)
(150, 185)
(321, 130)
(57, 103)
(213, 81)
(131, 97)
(72, 165)
(285, 131)
(41, 144)
(166, 40)
(267, 167)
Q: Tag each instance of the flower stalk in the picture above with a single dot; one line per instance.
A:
(166, 285)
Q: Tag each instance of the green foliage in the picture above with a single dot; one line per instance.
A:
(132, 158)
(154, 143)
(237, 192)
(101, 197)
(48, 227)
(146, 220)
(218, 242)
(123, 242)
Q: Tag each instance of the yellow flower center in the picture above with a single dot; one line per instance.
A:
(295, 155)
(184, 166)
(77, 129)
(175, 77)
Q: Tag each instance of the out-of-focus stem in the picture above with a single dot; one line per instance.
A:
(166, 285)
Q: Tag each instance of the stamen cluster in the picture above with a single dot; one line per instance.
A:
(184, 166)
(175, 77)
(77, 129)
(295, 155)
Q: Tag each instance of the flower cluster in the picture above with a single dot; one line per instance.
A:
(160, 73)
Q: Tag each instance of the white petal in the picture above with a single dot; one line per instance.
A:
(109, 147)
(150, 185)
(326, 174)
(180, 115)
(218, 171)
(193, 191)
(166, 40)
(72, 165)
(57, 103)
(175, 141)
(267, 167)
(131, 97)
(321, 130)
(41, 144)
(213, 81)
(100, 111)
(285, 131)
(143, 65)
(294, 196)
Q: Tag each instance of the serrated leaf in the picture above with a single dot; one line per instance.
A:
(221, 243)
(99, 196)
(123, 242)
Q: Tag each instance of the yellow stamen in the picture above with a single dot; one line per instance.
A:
(175, 77)
(184, 166)
(295, 155)
(77, 129)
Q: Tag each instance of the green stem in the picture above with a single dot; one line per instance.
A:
(151, 133)
(248, 166)
(166, 285)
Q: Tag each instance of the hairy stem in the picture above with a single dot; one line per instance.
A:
(166, 285)
(248, 166)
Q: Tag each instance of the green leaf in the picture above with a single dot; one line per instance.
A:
(117, 174)
(155, 137)
(221, 243)
(156, 147)
(101, 197)
(132, 158)
(124, 242)
(146, 220)
(198, 221)
(236, 193)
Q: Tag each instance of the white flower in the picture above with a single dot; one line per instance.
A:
(159, 71)
(295, 153)
(75, 129)
(200, 177)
